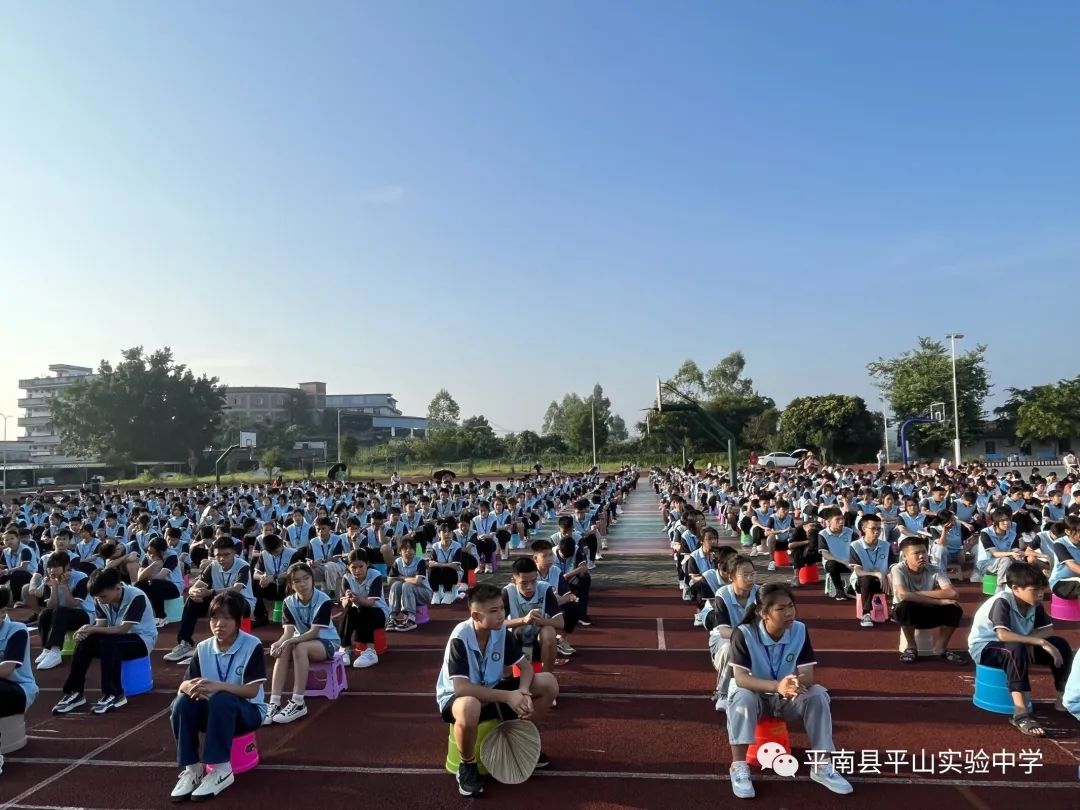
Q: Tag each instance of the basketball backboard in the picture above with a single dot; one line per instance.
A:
(937, 411)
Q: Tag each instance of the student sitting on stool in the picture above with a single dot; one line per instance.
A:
(474, 686)
(1011, 631)
(1065, 552)
(924, 599)
(773, 671)
(365, 610)
(871, 559)
(408, 587)
(160, 577)
(69, 606)
(729, 607)
(123, 630)
(533, 612)
(221, 696)
(271, 573)
(17, 686)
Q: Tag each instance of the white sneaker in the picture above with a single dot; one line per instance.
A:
(866, 620)
(212, 784)
(741, 785)
(771, 566)
(599, 556)
(592, 565)
(564, 648)
(975, 577)
(180, 653)
(603, 545)
(699, 620)
(439, 597)
(186, 784)
(159, 623)
(52, 658)
(346, 659)
(720, 702)
(826, 775)
(368, 658)
(292, 711)
(41, 656)
(271, 711)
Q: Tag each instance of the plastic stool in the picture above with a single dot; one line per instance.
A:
(422, 616)
(537, 666)
(992, 691)
(768, 729)
(244, 755)
(12, 733)
(381, 568)
(470, 578)
(453, 756)
(781, 557)
(745, 539)
(327, 678)
(379, 644)
(1065, 610)
(245, 624)
(516, 541)
(924, 642)
(277, 612)
(990, 584)
(69, 644)
(879, 608)
(419, 549)
(174, 610)
(136, 677)
(809, 575)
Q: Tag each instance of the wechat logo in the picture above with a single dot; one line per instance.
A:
(773, 755)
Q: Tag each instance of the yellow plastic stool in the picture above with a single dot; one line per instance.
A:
(453, 756)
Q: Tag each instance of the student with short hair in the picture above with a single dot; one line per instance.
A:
(533, 612)
(871, 560)
(307, 634)
(271, 576)
(1065, 552)
(68, 606)
(772, 664)
(228, 573)
(484, 526)
(473, 684)
(365, 610)
(1011, 631)
(444, 565)
(834, 544)
(572, 561)
(160, 577)
(924, 599)
(18, 689)
(221, 696)
(998, 548)
(123, 630)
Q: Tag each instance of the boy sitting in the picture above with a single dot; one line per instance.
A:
(473, 686)
(533, 611)
(409, 587)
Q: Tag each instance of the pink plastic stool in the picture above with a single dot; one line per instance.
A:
(879, 608)
(244, 755)
(1066, 610)
(327, 678)
(422, 616)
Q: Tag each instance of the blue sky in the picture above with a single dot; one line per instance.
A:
(515, 200)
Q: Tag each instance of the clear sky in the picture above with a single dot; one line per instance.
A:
(513, 200)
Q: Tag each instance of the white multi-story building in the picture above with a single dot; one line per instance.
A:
(40, 435)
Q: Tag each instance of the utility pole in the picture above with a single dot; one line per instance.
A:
(593, 403)
(955, 336)
(5, 417)
(885, 416)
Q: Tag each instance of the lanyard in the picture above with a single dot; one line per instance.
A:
(228, 579)
(775, 665)
(300, 617)
(279, 561)
(223, 675)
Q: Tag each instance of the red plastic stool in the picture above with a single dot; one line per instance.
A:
(245, 624)
(769, 729)
(809, 574)
(781, 557)
(380, 643)
(470, 578)
(536, 665)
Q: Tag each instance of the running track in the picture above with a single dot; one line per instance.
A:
(634, 727)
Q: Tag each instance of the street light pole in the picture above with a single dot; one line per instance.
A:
(339, 435)
(593, 431)
(953, 337)
(885, 416)
(5, 417)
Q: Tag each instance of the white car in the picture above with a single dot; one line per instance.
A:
(780, 459)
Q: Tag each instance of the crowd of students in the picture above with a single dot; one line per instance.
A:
(334, 562)
(902, 537)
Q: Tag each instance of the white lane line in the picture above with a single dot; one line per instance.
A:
(661, 642)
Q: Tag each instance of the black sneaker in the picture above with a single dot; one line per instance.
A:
(69, 703)
(469, 781)
(543, 762)
(108, 703)
(585, 621)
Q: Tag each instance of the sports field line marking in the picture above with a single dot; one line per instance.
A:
(696, 777)
(661, 642)
(85, 759)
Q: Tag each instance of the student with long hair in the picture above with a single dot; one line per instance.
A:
(772, 664)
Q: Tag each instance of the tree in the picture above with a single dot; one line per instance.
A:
(483, 443)
(443, 411)
(349, 445)
(1052, 413)
(839, 425)
(617, 431)
(555, 418)
(147, 408)
(725, 378)
(917, 379)
(759, 432)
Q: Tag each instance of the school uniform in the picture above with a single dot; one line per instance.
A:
(989, 541)
(222, 716)
(698, 563)
(726, 611)
(756, 652)
(14, 575)
(55, 623)
(1002, 610)
(218, 579)
(1063, 581)
(485, 667)
(876, 558)
(406, 596)
(949, 552)
(19, 689)
(517, 606)
(485, 546)
(361, 621)
(297, 537)
(440, 577)
(275, 566)
(839, 546)
(132, 609)
(330, 569)
(158, 591)
(316, 613)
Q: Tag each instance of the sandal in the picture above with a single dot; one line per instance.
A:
(1028, 725)
(909, 656)
(954, 657)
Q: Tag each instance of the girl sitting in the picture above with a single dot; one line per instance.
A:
(365, 609)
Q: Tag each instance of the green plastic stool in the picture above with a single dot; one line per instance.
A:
(277, 612)
(990, 584)
(420, 553)
(69, 645)
(453, 756)
(746, 539)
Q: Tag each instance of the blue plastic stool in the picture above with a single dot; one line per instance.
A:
(174, 610)
(992, 691)
(381, 568)
(136, 677)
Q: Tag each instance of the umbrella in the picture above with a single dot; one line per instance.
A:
(510, 752)
(439, 474)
